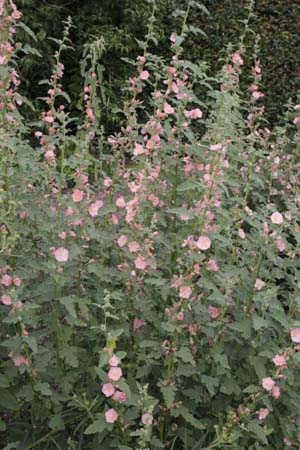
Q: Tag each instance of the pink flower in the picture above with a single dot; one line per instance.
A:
(203, 243)
(287, 442)
(16, 14)
(133, 247)
(21, 360)
(140, 263)
(114, 361)
(111, 415)
(268, 383)
(185, 292)
(6, 280)
(180, 316)
(77, 195)
(259, 284)
(6, 300)
(276, 218)
(94, 207)
(215, 147)
(241, 233)
(69, 211)
(295, 335)
(138, 323)
(120, 202)
(279, 360)
(214, 312)
(280, 244)
(193, 114)
(122, 240)
(61, 254)
(144, 75)
(168, 109)
(107, 181)
(119, 397)
(276, 392)
(139, 149)
(212, 265)
(115, 373)
(263, 413)
(237, 60)
(147, 419)
(63, 235)
(108, 389)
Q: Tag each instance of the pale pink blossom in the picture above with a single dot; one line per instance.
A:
(21, 360)
(94, 207)
(138, 323)
(280, 244)
(241, 233)
(120, 202)
(287, 442)
(133, 247)
(279, 360)
(107, 181)
(168, 109)
(114, 361)
(276, 218)
(139, 149)
(295, 335)
(144, 75)
(61, 254)
(6, 300)
(147, 419)
(276, 392)
(111, 415)
(69, 211)
(63, 235)
(122, 240)
(185, 292)
(203, 243)
(140, 262)
(108, 389)
(259, 284)
(212, 265)
(214, 312)
(268, 383)
(216, 147)
(115, 373)
(6, 280)
(180, 316)
(263, 413)
(77, 195)
(119, 396)
(237, 59)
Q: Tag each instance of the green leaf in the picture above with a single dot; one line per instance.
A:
(185, 354)
(188, 417)
(43, 388)
(57, 423)
(2, 425)
(259, 432)
(3, 381)
(168, 394)
(259, 322)
(96, 427)
(8, 401)
(211, 383)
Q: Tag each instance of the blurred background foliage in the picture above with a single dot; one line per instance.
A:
(120, 23)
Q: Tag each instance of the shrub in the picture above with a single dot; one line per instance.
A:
(149, 295)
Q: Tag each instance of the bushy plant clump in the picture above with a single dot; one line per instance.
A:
(149, 281)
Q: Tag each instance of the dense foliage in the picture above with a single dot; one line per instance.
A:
(119, 23)
(149, 280)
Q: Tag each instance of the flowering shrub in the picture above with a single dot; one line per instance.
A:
(149, 295)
